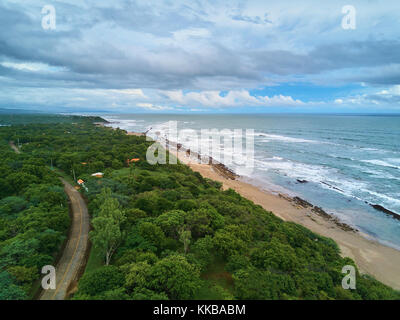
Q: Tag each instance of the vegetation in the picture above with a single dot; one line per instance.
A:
(33, 220)
(161, 232)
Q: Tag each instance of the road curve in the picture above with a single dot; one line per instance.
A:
(73, 256)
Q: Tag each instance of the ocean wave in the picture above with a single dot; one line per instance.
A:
(373, 149)
(375, 173)
(389, 200)
(296, 170)
(125, 124)
(394, 160)
(382, 163)
(326, 177)
(331, 179)
(285, 138)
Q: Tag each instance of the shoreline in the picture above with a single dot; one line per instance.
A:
(371, 257)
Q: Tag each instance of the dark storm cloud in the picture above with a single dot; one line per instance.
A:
(100, 61)
(175, 46)
(333, 57)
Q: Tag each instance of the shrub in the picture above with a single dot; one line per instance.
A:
(101, 280)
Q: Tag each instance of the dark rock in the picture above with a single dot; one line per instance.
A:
(383, 209)
(328, 216)
(322, 212)
(302, 202)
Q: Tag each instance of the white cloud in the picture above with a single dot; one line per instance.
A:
(231, 99)
(31, 67)
(150, 106)
(130, 92)
(389, 96)
(185, 34)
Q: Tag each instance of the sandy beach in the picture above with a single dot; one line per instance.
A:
(373, 258)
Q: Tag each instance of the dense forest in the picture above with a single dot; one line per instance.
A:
(158, 231)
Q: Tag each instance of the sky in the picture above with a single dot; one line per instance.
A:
(197, 56)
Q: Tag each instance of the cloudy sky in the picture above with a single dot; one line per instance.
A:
(200, 56)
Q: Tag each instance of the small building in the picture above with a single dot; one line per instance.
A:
(98, 174)
(80, 181)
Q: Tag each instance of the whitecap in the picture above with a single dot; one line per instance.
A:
(285, 138)
(381, 163)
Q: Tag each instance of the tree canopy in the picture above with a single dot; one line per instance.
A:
(162, 231)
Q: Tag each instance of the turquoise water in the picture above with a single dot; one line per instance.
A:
(347, 160)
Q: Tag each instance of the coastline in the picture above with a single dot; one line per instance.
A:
(371, 257)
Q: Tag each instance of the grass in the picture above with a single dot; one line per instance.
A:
(63, 175)
(217, 283)
(207, 292)
(216, 273)
(122, 172)
(95, 260)
(37, 285)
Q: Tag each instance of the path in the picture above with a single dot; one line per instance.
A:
(74, 255)
(14, 147)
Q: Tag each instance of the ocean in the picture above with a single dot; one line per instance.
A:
(341, 163)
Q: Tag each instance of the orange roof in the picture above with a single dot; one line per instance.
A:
(135, 159)
(80, 181)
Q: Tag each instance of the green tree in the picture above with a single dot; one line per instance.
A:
(175, 276)
(107, 234)
(10, 206)
(152, 233)
(203, 250)
(171, 222)
(136, 275)
(20, 180)
(101, 280)
(8, 289)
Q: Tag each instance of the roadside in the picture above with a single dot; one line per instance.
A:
(74, 255)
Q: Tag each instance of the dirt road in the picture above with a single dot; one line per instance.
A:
(73, 257)
(14, 147)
